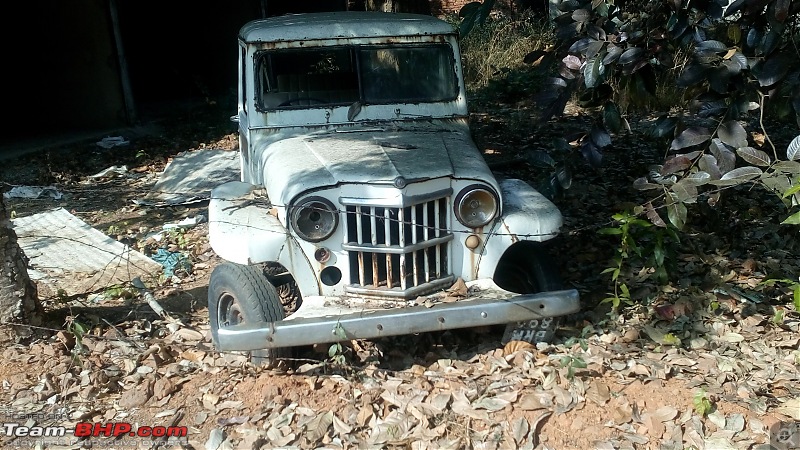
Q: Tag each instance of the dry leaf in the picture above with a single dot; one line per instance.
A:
(598, 392)
(732, 337)
(530, 402)
(735, 423)
(665, 413)
(520, 429)
(758, 138)
(534, 440)
(655, 428)
(458, 289)
(364, 416)
(490, 404)
(209, 401)
(229, 404)
(565, 400)
(515, 346)
(622, 411)
(395, 429)
(193, 355)
(215, 438)
(187, 334)
(461, 406)
(790, 408)
(318, 426)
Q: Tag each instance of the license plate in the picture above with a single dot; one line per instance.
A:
(533, 331)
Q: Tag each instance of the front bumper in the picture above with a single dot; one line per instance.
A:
(323, 319)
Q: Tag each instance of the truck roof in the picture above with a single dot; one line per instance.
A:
(345, 24)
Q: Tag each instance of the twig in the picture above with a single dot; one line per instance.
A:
(123, 337)
(761, 123)
(151, 299)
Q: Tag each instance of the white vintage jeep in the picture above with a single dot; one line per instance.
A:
(364, 207)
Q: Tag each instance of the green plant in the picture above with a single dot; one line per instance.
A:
(793, 285)
(735, 65)
(778, 316)
(572, 362)
(581, 340)
(119, 291)
(178, 236)
(641, 245)
(336, 350)
(791, 194)
(702, 403)
(78, 330)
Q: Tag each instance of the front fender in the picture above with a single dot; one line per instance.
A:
(527, 216)
(243, 230)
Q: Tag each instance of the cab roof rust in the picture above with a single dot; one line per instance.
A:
(342, 25)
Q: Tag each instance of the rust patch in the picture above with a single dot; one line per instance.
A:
(514, 238)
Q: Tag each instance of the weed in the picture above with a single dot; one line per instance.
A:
(119, 292)
(62, 296)
(793, 219)
(336, 350)
(178, 236)
(641, 246)
(580, 340)
(78, 330)
(571, 363)
(497, 49)
(793, 285)
(702, 403)
(778, 317)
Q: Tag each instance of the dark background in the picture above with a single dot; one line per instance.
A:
(62, 70)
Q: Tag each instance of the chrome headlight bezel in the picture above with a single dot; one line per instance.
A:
(482, 194)
(313, 228)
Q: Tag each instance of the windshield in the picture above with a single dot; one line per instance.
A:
(344, 75)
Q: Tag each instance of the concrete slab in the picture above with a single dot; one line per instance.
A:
(69, 257)
(190, 176)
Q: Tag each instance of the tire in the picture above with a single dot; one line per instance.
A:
(241, 294)
(527, 269)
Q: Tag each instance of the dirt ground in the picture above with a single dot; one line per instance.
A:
(709, 360)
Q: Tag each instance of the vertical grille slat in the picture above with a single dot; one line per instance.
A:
(373, 220)
(398, 251)
(361, 278)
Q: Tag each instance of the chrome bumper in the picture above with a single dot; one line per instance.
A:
(476, 310)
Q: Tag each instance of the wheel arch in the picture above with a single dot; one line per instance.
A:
(242, 231)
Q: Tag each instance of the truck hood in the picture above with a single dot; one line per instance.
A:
(300, 164)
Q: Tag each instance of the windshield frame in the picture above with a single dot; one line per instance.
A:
(266, 81)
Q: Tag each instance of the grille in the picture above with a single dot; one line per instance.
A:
(398, 251)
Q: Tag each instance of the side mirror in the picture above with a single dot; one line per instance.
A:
(235, 118)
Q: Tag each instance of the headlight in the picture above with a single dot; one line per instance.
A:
(476, 206)
(314, 219)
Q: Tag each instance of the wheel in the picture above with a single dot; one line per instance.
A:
(311, 100)
(241, 294)
(527, 269)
